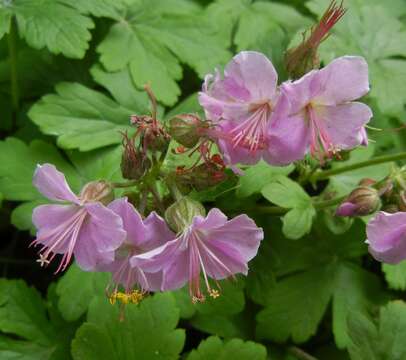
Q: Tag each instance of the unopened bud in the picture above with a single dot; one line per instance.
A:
(303, 58)
(180, 215)
(134, 163)
(100, 191)
(391, 208)
(202, 176)
(187, 129)
(156, 139)
(363, 200)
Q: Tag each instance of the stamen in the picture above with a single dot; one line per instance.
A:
(251, 133)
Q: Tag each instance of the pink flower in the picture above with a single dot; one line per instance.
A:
(387, 237)
(83, 226)
(243, 105)
(142, 236)
(323, 115)
(212, 245)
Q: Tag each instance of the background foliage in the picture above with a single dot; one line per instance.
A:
(71, 74)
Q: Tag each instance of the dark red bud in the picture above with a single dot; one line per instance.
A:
(134, 163)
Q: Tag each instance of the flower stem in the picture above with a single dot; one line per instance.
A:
(300, 354)
(278, 210)
(14, 88)
(124, 184)
(322, 175)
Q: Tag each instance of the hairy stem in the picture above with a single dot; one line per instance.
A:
(14, 88)
(322, 175)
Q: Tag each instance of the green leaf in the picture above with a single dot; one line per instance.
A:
(80, 117)
(296, 306)
(48, 23)
(22, 312)
(241, 325)
(231, 299)
(147, 331)
(253, 20)
(285, 192)
(99, 8)
(353, 290)
(395, 275)
(298, 221)
(122, 88)
(377, 35)
(11, 349)
(17, 165)
(311, 272)
(214, 348)
(76, 289)
(257, 176)
(261, 277)
(152, 37)
(100, 164)
(188, 105)
(383, 342)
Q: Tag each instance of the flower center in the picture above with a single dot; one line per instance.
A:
(252, 132)
(321, 144)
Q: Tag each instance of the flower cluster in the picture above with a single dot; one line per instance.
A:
(145, 254)
(317, 114)
(248, 117)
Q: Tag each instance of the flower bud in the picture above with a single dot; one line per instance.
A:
(303, 58)
(202, 176)
(362, 201)
(100, 191)
(180, 215)
(391, 208)
(187, 129)
(134, 163)
(156, 139)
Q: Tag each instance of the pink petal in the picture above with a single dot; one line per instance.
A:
(288, 137)
(344, 123)
(344, 79)
(132, 221)
(240, 233)
(222, 260)
(158, 231)
(253, 71)
(176, 275)
(100, 235)
(302, 91)
(235, 154)
(53, 221)
(52, 184)
(387, 237)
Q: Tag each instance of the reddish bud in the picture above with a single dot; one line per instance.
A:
(363, 200)
(303, 58)
(134, 163)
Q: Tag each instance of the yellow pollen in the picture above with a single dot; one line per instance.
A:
(133, 297)
(196, 299)
(214, 293)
